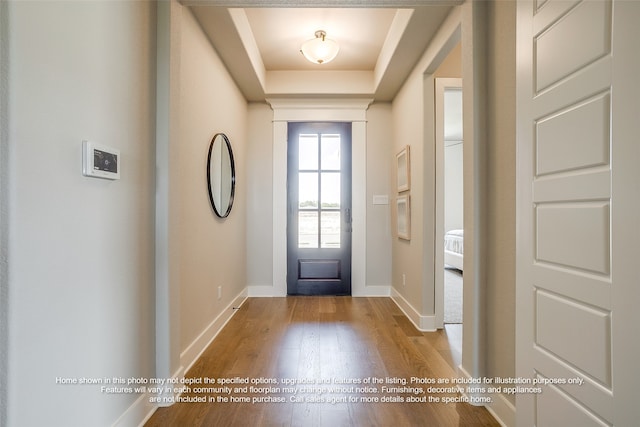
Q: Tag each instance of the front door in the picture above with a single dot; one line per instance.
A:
(319, 209)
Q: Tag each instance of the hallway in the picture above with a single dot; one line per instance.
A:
(316, 339)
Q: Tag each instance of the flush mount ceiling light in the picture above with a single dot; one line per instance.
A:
(321, 49)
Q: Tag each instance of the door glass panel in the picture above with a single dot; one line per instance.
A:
(330, 190)
(330, 152)
(307, 229)
(317, 227)
(308, 152)
(308, 190)
(330, 229)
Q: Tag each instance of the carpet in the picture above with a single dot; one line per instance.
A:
(452, 295)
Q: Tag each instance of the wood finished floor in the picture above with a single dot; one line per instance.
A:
(322, 338)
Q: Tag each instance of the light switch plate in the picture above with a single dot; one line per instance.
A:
(380, 199)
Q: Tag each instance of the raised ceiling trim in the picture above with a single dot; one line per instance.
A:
(327, 83)
(398, 27)
(239, 18)
(319, 109)
(324, 4)
(232, 36)
(222, 31)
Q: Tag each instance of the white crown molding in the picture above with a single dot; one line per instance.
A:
(320, 109)
(324, 4)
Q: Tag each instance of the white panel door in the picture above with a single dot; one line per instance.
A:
(578, 211)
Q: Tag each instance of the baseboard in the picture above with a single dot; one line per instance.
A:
(138, 413)
(500, 408)
(266, 291)
(189, 356)
(423, 323)
(263, 291)
(503, 411)
(372, 291)
(142, 409)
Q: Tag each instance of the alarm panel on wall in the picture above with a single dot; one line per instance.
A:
(100, 161)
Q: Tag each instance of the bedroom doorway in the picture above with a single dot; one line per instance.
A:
(450, 202)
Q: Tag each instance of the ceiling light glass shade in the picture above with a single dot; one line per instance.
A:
(321, 49)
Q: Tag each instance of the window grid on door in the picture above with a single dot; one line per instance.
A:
(319, 182)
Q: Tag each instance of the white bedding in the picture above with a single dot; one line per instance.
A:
(454, 241)
(454, 248)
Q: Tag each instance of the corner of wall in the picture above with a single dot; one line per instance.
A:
(502, 410)
(194, 350)
(143, 408)
(211, 253)
(4, 205)
(421, 322)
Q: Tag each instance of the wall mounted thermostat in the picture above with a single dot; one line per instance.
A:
(100, 161)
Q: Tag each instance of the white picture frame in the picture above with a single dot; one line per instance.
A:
(403, 169)
(403, 213)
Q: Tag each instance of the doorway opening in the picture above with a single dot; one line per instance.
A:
(449, 236)
(450, 141)
(319, 208)
(450, 173)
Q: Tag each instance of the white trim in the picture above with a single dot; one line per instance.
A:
(167, 307)
(474, 328)
(326, 3)
(441, 84)
(191, 354)
(167, 396)
(462, 373)
(372, 291)
(138, 413)
(500, 408)
(262, 291)
(421, 322)
(343, 110)
(359, 207)
(142, 409)
(338, 109)
(279, 188)
(268, 291)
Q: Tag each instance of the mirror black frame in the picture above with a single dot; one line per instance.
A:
(233, 175)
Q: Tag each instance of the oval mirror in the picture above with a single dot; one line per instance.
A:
(221, 175)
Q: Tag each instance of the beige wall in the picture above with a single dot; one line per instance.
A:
(80, 271)
(260, 202)
(501, 179)
(452, 64)
(411, 124)
(408, 256)
(379, 170)
(260, 196)
(413, 121)
(212, 250)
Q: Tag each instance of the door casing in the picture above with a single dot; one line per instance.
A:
(354, 111)
(441, 85)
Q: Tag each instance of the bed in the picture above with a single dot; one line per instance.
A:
(454, 248)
